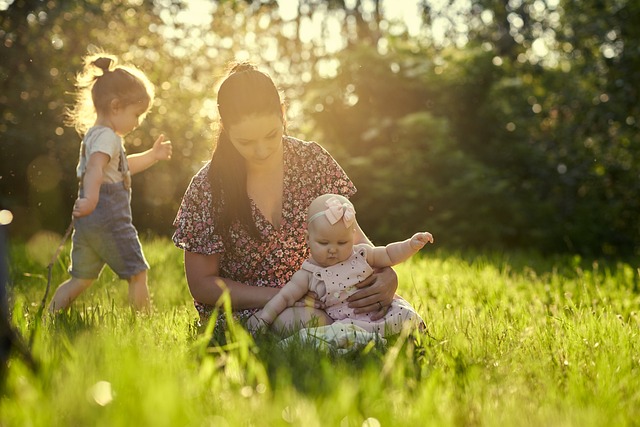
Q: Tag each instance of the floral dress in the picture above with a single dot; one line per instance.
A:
(271, 260)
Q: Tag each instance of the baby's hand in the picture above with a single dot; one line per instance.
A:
(420, 239)
(83, 207)
(162, 149)
(310, 299)
(255, 324)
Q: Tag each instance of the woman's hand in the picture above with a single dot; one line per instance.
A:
(375, 293)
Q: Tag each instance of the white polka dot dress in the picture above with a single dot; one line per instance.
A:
(339, 283)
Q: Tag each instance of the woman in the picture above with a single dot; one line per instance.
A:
(243, 217)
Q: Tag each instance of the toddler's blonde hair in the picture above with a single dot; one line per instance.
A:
(99, 83)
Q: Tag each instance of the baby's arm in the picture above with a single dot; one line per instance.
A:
(396, 252)
(91, 182)
(161, 150)
(292, 291)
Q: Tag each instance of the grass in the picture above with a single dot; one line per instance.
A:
(512, 340)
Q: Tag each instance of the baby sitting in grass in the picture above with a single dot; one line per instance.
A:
(336, 265)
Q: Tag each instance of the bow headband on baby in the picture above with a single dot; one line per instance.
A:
(337, 211)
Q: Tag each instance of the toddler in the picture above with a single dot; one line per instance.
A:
(111, 102)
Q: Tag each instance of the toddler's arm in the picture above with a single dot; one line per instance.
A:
(161, 150)
(291, 292)
(91, 182)
(396, 252)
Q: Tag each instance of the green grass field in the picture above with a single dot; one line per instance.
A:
(512, 340)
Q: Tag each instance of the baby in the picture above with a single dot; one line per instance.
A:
(336, 265)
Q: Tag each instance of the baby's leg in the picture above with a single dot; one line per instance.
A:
(67, 293)
(139, 292)
(294, 318)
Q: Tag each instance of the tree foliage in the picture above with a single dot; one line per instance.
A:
(504, 124)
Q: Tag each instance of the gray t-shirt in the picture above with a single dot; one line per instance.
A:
(102, 139)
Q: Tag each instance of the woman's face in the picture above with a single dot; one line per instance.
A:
(258, 138)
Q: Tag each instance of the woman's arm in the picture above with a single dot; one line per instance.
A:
(206, 286)
(161, 150)
(376, 292)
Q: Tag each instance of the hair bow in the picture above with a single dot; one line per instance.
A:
(337, 211)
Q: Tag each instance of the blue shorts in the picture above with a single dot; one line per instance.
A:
(107, 236)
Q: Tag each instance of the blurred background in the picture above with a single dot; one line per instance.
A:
(493, 124)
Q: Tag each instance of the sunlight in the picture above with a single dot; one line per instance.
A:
(5, 217)
(325, 28)
(406, 11)
(197, 12)
(4, 4)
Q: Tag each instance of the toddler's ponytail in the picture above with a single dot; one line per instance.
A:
(104, 63)
(99, 83)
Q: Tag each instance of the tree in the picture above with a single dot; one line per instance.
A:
(517, 128)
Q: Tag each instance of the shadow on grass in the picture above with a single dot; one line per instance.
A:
(302, 365)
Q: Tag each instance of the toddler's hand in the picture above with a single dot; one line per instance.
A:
(420, 239)
(83, 207)
(162, 149)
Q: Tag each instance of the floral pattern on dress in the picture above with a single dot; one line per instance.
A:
(310, 171)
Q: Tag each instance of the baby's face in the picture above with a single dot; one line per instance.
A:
(330, 244)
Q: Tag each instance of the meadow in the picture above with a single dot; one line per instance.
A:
(513, 339)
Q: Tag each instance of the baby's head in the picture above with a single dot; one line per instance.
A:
(331, 226)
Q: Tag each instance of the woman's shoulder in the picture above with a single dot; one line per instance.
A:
(201, 177)
(302, 145)
(199, 187)
(303, 148)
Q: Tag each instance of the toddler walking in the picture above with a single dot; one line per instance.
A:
(336, 265)
(111, 101)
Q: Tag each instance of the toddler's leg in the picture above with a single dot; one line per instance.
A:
(139, 292)
(67, 293)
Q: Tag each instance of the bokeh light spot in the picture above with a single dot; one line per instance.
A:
(101, 393)
(5, 217)
(42, 245)
(44, 174)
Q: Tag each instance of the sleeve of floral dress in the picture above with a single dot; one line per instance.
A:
(331, 178)
(194, 222)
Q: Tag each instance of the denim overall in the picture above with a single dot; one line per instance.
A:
(107, 235)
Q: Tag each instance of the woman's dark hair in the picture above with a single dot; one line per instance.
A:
(245, 91)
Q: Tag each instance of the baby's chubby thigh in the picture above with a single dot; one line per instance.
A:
(293, 319)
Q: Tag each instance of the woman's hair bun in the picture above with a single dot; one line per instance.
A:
(104, 63)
